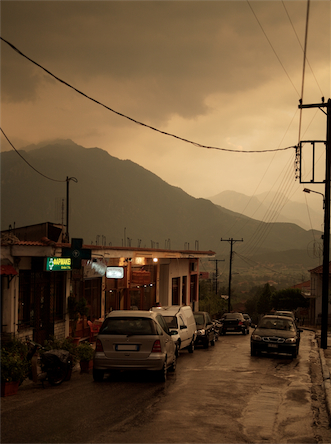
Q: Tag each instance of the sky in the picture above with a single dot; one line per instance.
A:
(222, 74)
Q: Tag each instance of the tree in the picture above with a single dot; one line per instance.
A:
(289, 299)
(264, 302)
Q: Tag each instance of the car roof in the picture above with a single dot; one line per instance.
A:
(171, 309)
(131, 314)
(274, 317)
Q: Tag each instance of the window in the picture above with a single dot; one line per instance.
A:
(175, 291)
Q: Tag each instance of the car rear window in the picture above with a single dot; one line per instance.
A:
(127, 326)
(232, 316)
(199, 319)
(277, 324)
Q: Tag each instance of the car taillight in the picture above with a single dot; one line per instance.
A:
(157, 347)
(98, 346)
(240, 322)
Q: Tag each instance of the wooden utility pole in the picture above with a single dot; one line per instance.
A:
(326, 236)
(216, 271)
(232, 241)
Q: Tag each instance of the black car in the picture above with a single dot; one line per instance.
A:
(234, 322)
(205, 329)
(276, 334)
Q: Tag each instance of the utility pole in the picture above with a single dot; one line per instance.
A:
(326, 236)
(232, 241)
(216, 274)
(68, 179)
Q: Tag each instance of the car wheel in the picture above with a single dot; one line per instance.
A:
(206, 343)
(177, 350)
(253, 352)
(244, 331)
(212, 342)
(295, 353)
(162, 374)
(174, 364)
(98, 375)
(191, 347)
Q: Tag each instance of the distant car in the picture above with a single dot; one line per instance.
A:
(134, 340)
(205, 329)
(276, 334)
(248, 318)
(234, 323)
(181, 324)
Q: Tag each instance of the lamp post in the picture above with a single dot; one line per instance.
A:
(307, 190)
(68, 180)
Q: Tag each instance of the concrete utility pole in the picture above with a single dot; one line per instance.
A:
(232, 241)
(326, 236)
(216, 272)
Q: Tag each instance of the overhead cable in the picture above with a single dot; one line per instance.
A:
(198, 145)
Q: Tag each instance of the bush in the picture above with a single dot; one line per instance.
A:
(14, 363)
(84, 351)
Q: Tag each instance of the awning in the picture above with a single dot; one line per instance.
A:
(8, 270)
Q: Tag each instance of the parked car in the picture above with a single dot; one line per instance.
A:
(276, 334)
(248, 318)
(181, 324)
(234, 322)
(134, 340)
(205, 329)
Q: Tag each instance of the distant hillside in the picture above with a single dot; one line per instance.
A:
(259, 207)
(117, 199)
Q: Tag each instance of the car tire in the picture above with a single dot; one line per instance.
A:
(206, 344)
(244, 331)
(191, 347)
(212, 342)
(98, 375)
(253, 352)
(162, 374)
(295, 353)
(173, 366)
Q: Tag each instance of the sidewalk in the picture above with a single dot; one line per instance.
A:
(325, 357)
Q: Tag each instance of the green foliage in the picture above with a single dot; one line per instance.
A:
(289, 299)
(14, 365)
(84, 351)
(264, 304)
(77, 308)
(209, 301)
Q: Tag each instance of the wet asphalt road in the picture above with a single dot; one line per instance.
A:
(218, 395)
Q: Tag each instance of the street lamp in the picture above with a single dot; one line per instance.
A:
(307, 190)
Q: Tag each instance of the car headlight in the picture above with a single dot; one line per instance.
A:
(256, 338)
(202, 332)
(291, 341)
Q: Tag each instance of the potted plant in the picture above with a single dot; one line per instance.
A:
(84, 352)
(76, 309)
(14, 366)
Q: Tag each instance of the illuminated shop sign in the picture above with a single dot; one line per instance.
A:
(58, 263)
(115, 272)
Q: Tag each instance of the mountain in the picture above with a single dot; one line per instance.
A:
(117, 202)
(271, 206)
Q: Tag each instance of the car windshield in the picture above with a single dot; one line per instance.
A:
(171, 321)
(199, 319)
(127, 326)
(277, 324)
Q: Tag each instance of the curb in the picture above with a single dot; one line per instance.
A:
(326, 383)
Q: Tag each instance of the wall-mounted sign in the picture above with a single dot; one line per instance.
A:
(115, 272)
(58, 263)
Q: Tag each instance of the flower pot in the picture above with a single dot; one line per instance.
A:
(85, 366)
(9, 388)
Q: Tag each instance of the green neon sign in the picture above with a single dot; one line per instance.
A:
(58, 264)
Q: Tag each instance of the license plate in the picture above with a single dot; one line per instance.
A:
(230, 328)
(126, 347)
(272, 345)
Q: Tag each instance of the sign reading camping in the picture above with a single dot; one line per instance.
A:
(58, 263)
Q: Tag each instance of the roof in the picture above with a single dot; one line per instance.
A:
(319, 269)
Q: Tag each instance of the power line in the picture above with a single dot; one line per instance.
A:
(198, 145)
(49, 178)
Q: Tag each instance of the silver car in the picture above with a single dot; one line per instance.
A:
(134, 340)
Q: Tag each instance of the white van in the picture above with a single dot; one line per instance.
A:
(180, 319)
